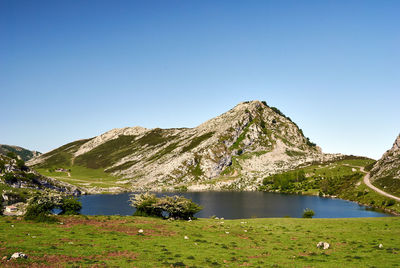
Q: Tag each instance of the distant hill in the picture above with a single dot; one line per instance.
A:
(235, 150)
(23, 153)
(385, 174)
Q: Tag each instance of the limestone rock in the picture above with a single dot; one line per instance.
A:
(323, 245)
(19, 255)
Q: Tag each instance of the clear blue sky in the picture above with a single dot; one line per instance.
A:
(75, 69)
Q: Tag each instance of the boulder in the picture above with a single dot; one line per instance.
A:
(19, 255)
(323, 245)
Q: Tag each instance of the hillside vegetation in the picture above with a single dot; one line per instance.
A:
(22, 153)
(385, 174)
(342, 179)
(19, 183)
(116, 241)
(235, 150)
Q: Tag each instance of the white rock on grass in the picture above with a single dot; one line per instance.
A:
(19, 255)
(380, 246)
(323, 245)
(185, 237)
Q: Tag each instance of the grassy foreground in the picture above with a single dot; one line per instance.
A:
(100, 241)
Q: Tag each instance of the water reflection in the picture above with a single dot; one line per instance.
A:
(236, 205)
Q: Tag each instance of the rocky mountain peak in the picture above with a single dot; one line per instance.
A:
(244, 144)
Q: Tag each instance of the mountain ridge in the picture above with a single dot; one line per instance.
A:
(232, 151)
(21, 152)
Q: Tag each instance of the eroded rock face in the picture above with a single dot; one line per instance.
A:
(389, 165)
(236, 149)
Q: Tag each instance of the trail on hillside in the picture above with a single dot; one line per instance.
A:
(369, 184)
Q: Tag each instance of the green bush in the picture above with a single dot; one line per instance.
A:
(145, 205)
(176, 207)
(41, 206)
(390, 202)
(10, 178)
(70, 206)
(21, 165)
(40, 212)
(12, 155)
(2, 165)
(308, 213)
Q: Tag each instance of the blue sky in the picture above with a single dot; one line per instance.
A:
(75, 69)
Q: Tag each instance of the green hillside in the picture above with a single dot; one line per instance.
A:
(23, 153)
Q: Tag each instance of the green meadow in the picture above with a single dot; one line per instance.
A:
(115, 241)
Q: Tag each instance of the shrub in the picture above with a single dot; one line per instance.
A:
(177, 207)
(390, 202)
(41, 206)
(2, 165)
(12, 155)
(21, 165)
(70, 206)
(145, 205)
(40, 212)
(308, 213)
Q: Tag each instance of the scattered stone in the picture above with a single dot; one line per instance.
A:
(380, 246)
(185, 237)
(140, 231)
(18, 255)
(12, 225)
(227, 232)
(245, 231)
(323, 245)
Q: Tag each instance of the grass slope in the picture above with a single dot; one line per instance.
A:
(342, 179)
(114, 241)
(82, 176)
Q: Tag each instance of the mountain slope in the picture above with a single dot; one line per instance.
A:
(23, 153)
(232, 151)
(385, 174)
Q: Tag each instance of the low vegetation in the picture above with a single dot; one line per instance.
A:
(171, 207)
(115, 241)
(41, 207)
(341, 179)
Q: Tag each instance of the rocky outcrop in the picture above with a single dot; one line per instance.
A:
(22, 153)
(25, 177)
(235, 150)
(385, 174)
(389, 164)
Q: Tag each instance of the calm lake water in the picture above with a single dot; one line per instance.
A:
(237, 205)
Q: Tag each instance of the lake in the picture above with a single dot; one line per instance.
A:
(238, 205)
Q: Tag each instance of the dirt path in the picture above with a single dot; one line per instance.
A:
(379, 191)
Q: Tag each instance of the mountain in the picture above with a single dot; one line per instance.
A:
(385, 173)
(23, 153)
(235, 150)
